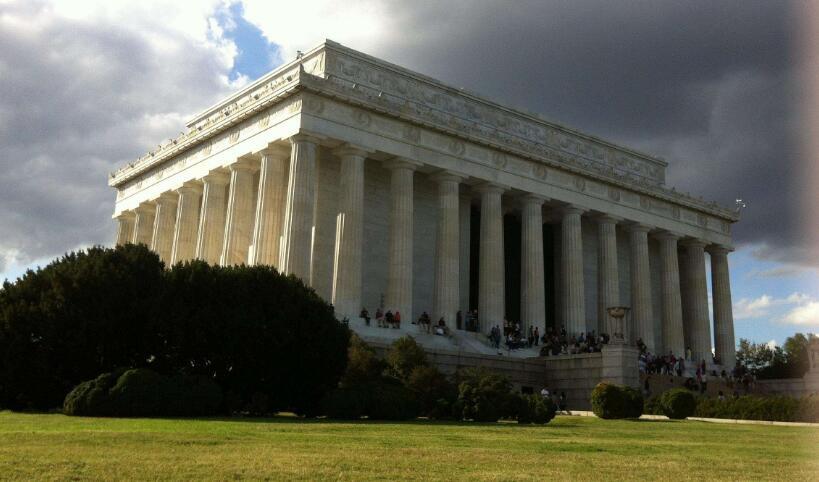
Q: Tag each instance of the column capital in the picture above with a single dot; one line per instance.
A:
(719, 249)
(276, 150)
(351, 150)
(126, 215)
(447, 176)
(635, 227)
(219, 178)
(305, 137)
(667, 235)
(693, 243)
(532, 198)
(167, 197)
(489, 187)
(244, 164)
(401, 163)
(146, 207)
(571, 209)
(190, 187)
(605, 218)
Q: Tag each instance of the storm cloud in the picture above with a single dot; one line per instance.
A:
(706, 85)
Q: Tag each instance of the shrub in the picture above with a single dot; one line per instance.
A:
(809, 409)
(143, 393)
(81, 315)
(260, 335)
(404, 356)
(483, 396)
(363, 366)
(346, 403)
(608, 401)
(678, 403)
(432, 390)
(780, 408)
(392, 401)
(534, 408)
(652, 406)
(255, 331)
(633, 402)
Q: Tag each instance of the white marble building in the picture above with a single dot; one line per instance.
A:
(379, 186)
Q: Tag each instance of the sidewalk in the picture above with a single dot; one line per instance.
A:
(585, 413)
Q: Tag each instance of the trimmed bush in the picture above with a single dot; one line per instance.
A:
(608, 401)
(144, 393)
(533, 408)
(611, 401)
(678, 403)
(779, 409)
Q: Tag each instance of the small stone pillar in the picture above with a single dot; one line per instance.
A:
(620, 365)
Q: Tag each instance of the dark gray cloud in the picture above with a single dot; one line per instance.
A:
(79, 98)
(705, 85)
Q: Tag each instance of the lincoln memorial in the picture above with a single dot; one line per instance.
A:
(382, 188)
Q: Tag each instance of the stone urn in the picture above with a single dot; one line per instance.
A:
(618, 315)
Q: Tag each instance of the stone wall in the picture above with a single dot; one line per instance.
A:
(576, 375)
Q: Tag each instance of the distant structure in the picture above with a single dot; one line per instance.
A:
(381, 187)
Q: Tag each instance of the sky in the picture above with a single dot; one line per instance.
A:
(726, 91)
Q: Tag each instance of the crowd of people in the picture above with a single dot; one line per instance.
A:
(389, 319)
(697, 374)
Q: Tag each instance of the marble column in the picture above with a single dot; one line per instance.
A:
(532, 290)
(164, 222)
(187, 222)
(297, 231)
(346, 295)
(239, 217)
(270, 202)
(724, 345)
(491, 275)
(696, 322)
(642, 315)
(465, 221)
(144, 224)
(125, 228)
(399, 271)
(608, 274)
(672, 319)
(211, 233)
(571, 262)
(446, 296)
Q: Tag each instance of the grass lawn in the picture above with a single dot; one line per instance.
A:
(34, 446)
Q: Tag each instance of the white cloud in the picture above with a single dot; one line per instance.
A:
(806, 314)
(85, 87)
(771, 344)
(308, 23)
(752, 308)
(763, 306)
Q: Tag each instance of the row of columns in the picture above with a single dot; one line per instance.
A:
(199, 222)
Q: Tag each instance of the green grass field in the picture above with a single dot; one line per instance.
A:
(58, 447)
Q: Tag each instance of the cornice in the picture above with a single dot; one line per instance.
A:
(450, 113)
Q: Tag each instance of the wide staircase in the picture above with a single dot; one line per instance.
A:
(456, 340)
